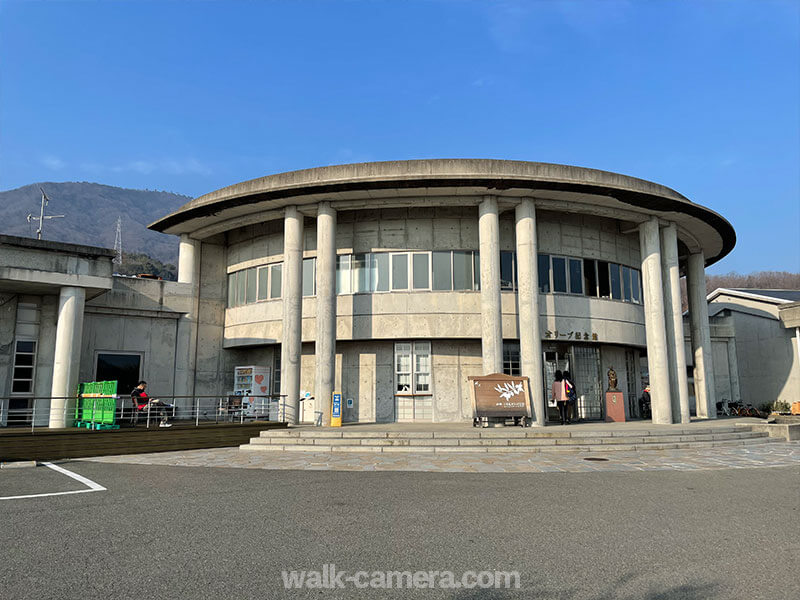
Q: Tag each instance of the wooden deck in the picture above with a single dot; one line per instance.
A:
(53, 444)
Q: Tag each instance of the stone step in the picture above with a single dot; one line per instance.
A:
(501, 433)
(258, 444)
(502, 441)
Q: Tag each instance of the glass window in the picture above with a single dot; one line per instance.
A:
(252, 285)
(559, 274)
(511, 359)
(402, 368)
(589, 277)
(626, 284)
(231, 290)
(616, 282)
(603, 285)
(263, 280)
(379, 272)
(422, 367)
(635, 286)
(309, 276)
(24, 358)
(241, 284)
(462, 270)
(575, 276)
(476, 263)
(343, 274)
(544, 273)
(400, 271)
(506, 270)
(275, 280)
(358, 267)
(122, 368)
(442, 273)
(420, 271)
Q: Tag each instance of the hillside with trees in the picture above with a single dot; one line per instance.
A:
(91, 211)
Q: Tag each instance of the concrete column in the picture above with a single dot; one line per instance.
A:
(673, 315)
(491, 317)
(704, 392)
(188, 259)
(657, 356)
(530, 340)
(326, 310)
(69, 330)
(733, 371)
(291, 342)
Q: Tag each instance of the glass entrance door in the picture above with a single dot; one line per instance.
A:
(554, 360)
(588, 384)
(412, 381)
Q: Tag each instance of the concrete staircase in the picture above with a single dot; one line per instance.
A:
(503, 440)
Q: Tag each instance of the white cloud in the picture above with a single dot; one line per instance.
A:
(53, 162)
(172, 166)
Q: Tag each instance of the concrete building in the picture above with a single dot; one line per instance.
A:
(392, 283)
(755, 340)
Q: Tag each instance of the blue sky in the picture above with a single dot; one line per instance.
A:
(701, 96)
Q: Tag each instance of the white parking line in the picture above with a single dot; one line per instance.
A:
(91, 485)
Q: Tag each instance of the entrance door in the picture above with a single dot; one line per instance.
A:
(554, 360)
(412, 382)
(588, 382)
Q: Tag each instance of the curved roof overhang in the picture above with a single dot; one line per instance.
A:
(457, 182)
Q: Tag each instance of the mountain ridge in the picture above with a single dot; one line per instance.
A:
(91, 211)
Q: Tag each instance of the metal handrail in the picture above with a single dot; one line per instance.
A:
(207, 409)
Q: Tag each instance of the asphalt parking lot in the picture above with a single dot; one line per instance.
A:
(197, 532)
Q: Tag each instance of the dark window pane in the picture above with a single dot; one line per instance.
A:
(231, 289)
(506, 270)
(241, 281)
(575, 276)
(589, 277)
(122, 368)
(275, 283)
(476, 263)
(420, 271)
(23, 360)
(23, 372)
(252, 283)
(559, 274)
(21, 386)
(263, 272)
(616, 282)
(635, 288)
(626, 284)
(24, 346)
(379, 272)
(442, 276)
(462, 270)
(603, 279)
(544, 273)
(400, 271)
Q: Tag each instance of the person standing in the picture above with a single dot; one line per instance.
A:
(141, 399)
(559, 394)
(572, 397)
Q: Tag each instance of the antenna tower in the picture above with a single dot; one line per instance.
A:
(42, 217)
(118, 243)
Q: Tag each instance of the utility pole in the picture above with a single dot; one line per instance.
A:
(42, 216)
(118, 243)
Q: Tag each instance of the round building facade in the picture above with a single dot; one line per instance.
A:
(392, 282)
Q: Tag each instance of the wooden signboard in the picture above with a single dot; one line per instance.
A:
(499, 395)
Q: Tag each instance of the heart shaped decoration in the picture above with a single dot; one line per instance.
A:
(259, 378)
(263, 389)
